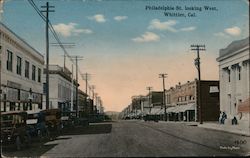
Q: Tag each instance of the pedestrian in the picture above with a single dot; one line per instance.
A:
(220, 118)
(224, 117)
(234, 121)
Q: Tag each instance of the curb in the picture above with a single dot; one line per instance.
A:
(231, 132)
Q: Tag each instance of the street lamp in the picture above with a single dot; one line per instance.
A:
(163, 76)
(198, 48)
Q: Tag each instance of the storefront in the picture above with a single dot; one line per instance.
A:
(181, 113)
(19, 99)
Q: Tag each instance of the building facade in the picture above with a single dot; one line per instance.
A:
(182, 101)
(21, 73)
(60, 88)
(234, 76)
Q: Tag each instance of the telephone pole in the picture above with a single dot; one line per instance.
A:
(76, 58)
(163, 76)
(198, 48)
(149, 90)
(86, 77)
(92, 87)
(47, 50)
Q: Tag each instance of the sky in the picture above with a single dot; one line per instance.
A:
(127, 43)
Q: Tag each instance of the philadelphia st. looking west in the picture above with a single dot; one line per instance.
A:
(179, 8)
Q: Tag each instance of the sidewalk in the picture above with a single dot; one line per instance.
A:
(236, 129)
(181, 122)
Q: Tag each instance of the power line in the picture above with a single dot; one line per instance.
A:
(51, 29)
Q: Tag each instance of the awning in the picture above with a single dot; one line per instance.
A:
(145, 111)
(170, 109)
(155, 110)
(161, 111)
(182, 108)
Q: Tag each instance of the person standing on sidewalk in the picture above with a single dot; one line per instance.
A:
(223, 118)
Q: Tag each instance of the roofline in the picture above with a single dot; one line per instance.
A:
(232, 54)
(21, 39)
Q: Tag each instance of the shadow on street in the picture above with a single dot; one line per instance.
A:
(91, 129)
(35, 150)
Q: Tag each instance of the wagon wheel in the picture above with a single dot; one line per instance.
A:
(18, 143)
(39, 134)
(27, 140)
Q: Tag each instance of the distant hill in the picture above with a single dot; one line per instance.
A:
(112, 114)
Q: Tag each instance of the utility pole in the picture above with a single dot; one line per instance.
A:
(47, 50)
(149, 90)
(198, 48)
(92, 87)
(95, 105)
(76, 58)
(86, 77)
(163, 76)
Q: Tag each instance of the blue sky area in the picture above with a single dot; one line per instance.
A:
(107, 31)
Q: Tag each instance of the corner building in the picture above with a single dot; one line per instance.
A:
(234, 76)
(21, 72)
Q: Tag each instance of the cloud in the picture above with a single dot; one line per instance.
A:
(147, 37)
(70, 29)
(156, 24)
(234, 31)
(1, 6)
(98, 18)
(246, 1)
(167, 25)
(191, 28)
(120, 18)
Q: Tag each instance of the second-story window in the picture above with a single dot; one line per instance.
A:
(229, 74)
(9, 60)
(27, 69)
(239, 72)
(19, 65)
(39, 75)
(33, 72)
